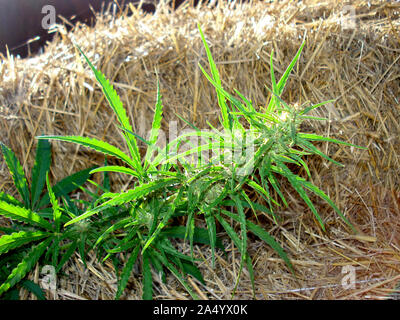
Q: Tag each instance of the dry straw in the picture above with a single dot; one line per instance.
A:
(356, 61)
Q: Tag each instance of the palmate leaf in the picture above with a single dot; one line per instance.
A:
(17, 174)
(293, 179)
(117, 106)
(67, 185)
(282, 82)
(322, 195)
(267, 238)
(126, 197)
(126, 272)
(176, 273)
(263, 235)
(262, 191)
(25, 265)
(23, 215)
(315, 137)
(308, 146)
(18, 239)
(238, 243)
(95, 144)
(39, 170)
(249, 115)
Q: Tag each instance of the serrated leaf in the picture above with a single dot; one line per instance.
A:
(282, 169)
(282, 82)
(265, 236)
(20, 271)
(9, 199)
(251, 273)
(190, 268)
(116, 225)
(322, 195)
(55, 206)
(17, 174)
(262, 191)
(71, 249)
(200, 235)
(118, 169)
(231, 233)
(273, 81)
(308, 109)
(156, 125)
(215, 74)
(126, 197)
(116, 104)
(163, 222)
(147, 278)
(39, 170)
(17, 239)
(242, 222)
(315, 137)
(95, 144)
(126, 272)
(177, 275)
(212, 232)
(34, 288)
(23, 215)
(67, 185)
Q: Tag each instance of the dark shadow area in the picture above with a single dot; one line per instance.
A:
(24, 23)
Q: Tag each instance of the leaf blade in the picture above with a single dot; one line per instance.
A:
(17, 174)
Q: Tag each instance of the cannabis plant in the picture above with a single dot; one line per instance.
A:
(254, 150)
(144, 229)
(37, 218)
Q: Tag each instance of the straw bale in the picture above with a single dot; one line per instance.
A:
(354, 61)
